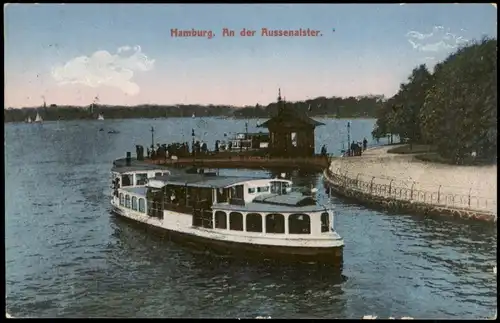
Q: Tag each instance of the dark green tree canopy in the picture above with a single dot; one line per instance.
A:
(454, 109)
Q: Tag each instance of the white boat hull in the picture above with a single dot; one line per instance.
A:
(325, 249)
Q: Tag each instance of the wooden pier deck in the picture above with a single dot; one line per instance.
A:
(313, 163)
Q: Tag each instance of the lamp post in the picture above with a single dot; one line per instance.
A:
(348, 138)
(192, 141)
(152, 137)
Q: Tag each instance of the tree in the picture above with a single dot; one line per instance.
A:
(460, 110)
(400, 114)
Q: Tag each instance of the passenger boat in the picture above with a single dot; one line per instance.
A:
(246, 141)
(240, 216)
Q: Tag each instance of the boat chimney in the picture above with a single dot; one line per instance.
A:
(128, 160)
(139, 152)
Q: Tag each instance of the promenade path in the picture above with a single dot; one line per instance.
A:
(404, 170)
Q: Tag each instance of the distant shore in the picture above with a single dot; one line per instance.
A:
(321, 107)
(186, 117)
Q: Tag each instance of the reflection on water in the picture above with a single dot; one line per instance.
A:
(66, 257)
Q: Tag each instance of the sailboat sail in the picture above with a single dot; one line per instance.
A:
(28, 120)
(100, 117)
(38, 118)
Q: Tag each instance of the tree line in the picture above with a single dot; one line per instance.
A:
(351, 107)
(454, 108)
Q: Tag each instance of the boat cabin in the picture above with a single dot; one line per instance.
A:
(239, 204)
(128, 173)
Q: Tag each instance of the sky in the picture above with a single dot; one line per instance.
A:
(125, 54)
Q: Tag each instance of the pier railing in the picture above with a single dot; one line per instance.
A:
(446, 196)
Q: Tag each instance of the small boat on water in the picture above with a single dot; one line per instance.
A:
(29, 120)
(38, 118)
(113, 131)
(100, 117)
(193, 116)
(246, 141)
(263, 218)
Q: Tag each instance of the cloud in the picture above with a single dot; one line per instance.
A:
(102, 68)
(437, 40)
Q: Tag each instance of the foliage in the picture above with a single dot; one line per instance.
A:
(351, 107)
(453, 109)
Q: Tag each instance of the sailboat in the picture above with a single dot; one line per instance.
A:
(193, 116)
(38, 118)
(100, 117)
(28, 120)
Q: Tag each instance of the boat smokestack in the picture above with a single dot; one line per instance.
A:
(139, 152)
(128, 160)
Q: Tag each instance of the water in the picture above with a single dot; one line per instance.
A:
(66, 256)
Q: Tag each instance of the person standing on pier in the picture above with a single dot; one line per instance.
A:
(365, 144)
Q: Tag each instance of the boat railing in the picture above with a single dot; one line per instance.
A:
(237, 201)
(178, 208)
(304, 190)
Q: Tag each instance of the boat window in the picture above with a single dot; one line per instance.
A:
(158, 174)
(220, 220)
(299, 224)
(193, 195)
(141, 179)
(236, 221)
(275, 223)
(122, 199)
(325, 222)
(237, 195)
(275, 187)
(127, 180)
(237, 192)
(254, 222)
(134, 203)
(207, 219)
(279, 187)
(142, 205)
(174, 196)
(251, 190)
(263, 189)
(127, 201)
(222, 195)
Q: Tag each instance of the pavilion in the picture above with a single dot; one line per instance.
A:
(291, 133)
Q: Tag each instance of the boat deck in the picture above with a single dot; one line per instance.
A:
(269, 208)
(316, 163)
(203, 181)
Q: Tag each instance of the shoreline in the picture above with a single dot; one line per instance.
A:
(222, 117)
(400, 182)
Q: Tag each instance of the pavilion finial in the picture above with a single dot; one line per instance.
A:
(279, 94)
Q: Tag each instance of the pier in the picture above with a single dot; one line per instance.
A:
(314, 163)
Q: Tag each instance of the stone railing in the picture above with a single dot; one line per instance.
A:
(391, 193)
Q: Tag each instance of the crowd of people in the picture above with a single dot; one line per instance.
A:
(182, 149)
(165, 151)
(356, 148)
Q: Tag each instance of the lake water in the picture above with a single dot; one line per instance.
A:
(67, 256)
